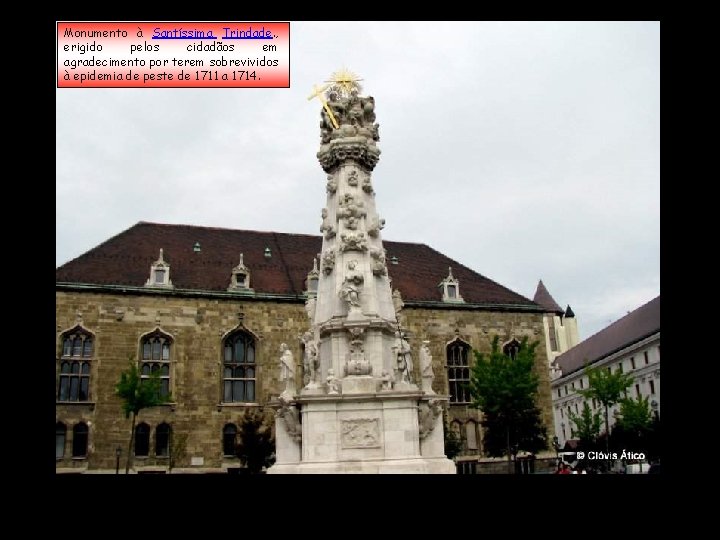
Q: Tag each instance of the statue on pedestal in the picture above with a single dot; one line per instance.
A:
(287, 371)
(404, 358)
(310, 360)
(426, 370)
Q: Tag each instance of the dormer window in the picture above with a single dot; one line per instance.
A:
(159, 273)
(240, 277)
(313, 278)
(450, 288)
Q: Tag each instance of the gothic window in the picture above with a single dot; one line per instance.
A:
(239, 368)
(75, 360)
(162, 440)
(80, 440)
(229, 436)
(458, 371)
(60, 436)
(142, 440)
(511, 349)
(155, 358)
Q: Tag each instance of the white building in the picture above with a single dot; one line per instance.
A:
(561, 331)
(631, 344)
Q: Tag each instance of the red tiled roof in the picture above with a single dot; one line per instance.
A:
(543, 297)
(125, 259)
(633, 327)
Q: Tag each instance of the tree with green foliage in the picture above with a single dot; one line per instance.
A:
(505, 388)
(138, 393)
(607, 388)
(256, 443)
(587, 426)
(634, 423)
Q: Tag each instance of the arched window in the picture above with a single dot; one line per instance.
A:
(75, 360)
(239, 368)
(142, 439)
(162, 440)
(511, 348)
(60, 435)
(458, 371)
(155, 357)
(229, 436)
(80, 440)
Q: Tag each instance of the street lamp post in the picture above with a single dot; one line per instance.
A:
(118, 451)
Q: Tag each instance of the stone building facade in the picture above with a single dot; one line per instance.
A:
(182, 311)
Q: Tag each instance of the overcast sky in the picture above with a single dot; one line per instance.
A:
(524, 150)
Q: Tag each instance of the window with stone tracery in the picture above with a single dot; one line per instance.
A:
(239, 369)
(155, 358)
(75, 363)
(458, 371)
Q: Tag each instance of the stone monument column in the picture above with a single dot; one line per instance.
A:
(364, 411)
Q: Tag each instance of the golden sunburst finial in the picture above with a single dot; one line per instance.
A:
(345, 83)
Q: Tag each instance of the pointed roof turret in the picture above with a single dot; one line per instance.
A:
(569, 312)
(543, 297)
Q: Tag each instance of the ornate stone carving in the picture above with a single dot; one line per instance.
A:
(350, 290)
(310, 304)
(357, 364)
(353, 242)
(353, 178)
(349, 207)
(360, 433)
(287, 371)
(367, 185)
(404, 363)
(291, 419)
(327, 228)
(331, 186)
(427, 416)
(351, 223)
(397, 301)
(339, 150)
(378, 262)
(426, 368)
(376, 225)
(354, 115)
(310, 360)
(386, 381)
(333, 383)
(328, 262)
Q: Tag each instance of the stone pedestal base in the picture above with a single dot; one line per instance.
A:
(386, 466)
(361, 433)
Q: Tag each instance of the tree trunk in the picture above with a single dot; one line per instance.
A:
(130, 446)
